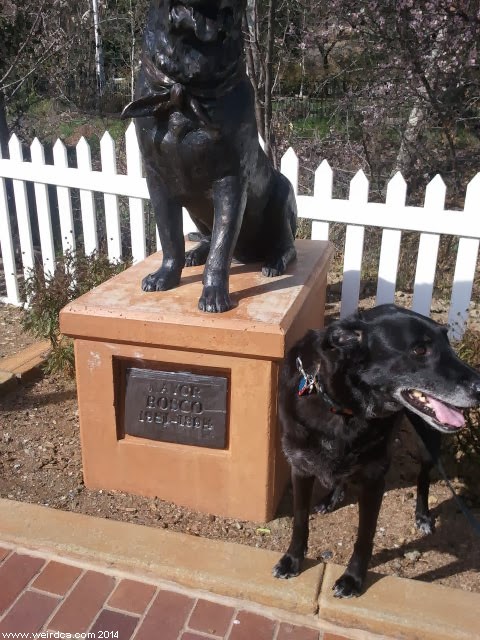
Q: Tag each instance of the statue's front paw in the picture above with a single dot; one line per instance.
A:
(215, 299)
(161, 280)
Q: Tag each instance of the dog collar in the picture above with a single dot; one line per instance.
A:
(310, 384)
(166, 94)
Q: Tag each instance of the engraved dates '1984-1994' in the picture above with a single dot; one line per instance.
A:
(184, 408)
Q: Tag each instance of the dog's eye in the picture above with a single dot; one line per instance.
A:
(420, 350)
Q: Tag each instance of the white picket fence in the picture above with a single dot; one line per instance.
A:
(431, 220)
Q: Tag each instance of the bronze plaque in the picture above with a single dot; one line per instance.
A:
(184, 408)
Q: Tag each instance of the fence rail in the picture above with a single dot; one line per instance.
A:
(25, 207)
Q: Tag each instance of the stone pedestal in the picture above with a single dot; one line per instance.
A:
(118, 329)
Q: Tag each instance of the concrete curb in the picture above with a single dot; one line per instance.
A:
(223, 568)
(395, 607)
(403, 608)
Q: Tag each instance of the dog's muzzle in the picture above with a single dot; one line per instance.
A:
(437, 413)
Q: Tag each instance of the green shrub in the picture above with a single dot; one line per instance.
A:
(45, 296)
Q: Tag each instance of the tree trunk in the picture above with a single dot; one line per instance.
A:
(410, 136)
(4, 132)
(269, 143)
(99, 65)
(132, 52)
(252, 55)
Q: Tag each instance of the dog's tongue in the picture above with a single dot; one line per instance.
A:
(446, 415)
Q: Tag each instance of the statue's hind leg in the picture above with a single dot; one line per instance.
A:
(276, 264)
(199, 254)
(281, 218)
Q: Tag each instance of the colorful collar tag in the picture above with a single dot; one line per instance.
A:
(311, 384)
(305, 387)
(308, 384)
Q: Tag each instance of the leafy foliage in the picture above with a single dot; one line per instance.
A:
(406, 80)
(44, 297)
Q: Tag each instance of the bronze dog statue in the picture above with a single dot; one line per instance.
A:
(196, 127)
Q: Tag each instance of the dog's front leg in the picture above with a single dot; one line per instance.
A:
(168, 216)
(429, 454)
(370, 499)
(290, 564)
(229, 198)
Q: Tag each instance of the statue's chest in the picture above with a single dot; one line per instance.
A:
(185, 136)
(189, 151)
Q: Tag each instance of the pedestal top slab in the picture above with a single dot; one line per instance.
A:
(119, 311)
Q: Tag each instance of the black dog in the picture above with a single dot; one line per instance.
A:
(342, 391)
(198, 135)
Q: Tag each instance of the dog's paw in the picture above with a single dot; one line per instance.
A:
(287, 567)
(347, 586)
(197, 256)
(425, 523)
(161, 280)
(329, 502)
(322, 508)
(215, 299)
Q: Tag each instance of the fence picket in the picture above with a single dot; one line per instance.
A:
(393, 217)
(87, 202)
(43, 213)
(322, 194)
(465, 266)
(289, 167)
(6, 246)
(390, 251)
(353, 253)
(137, 215)
(23, 213)
(112, 214)
(60, 160)
(428, 249)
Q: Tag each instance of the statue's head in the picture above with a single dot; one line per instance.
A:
(208, 21)
(195, 41)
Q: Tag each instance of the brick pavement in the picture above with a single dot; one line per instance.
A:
(37, 594)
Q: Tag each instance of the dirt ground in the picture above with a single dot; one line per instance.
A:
(40, 462)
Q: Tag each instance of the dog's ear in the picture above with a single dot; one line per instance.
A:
(344, 336)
